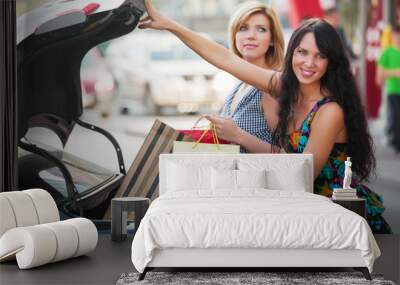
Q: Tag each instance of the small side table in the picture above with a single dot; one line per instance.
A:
(355, 205)
(119, 214)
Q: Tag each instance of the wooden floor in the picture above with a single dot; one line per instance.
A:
(103, 266)
(389, 262)
(110, 259)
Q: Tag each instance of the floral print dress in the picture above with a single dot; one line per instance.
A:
(332, 173)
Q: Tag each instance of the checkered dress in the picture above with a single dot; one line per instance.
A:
(248, 114)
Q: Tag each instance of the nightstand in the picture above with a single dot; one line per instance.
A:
(120, 207)
(355, 205)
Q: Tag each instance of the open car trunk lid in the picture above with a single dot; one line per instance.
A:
(52, 41)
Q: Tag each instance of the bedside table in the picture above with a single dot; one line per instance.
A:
(120, 207)
(355, 205)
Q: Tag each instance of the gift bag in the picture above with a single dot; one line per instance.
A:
(191, 147)
(142, 177)
(216, 146)
(197, 133)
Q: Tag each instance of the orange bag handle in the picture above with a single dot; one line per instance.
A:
(214, 133)
(195, 126)
(210, 127)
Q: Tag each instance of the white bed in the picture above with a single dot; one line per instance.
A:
(247, 210)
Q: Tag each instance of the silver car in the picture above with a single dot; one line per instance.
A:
(157, 71)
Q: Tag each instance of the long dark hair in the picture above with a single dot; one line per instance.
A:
(338, 82)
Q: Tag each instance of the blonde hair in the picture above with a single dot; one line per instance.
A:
(275, 53)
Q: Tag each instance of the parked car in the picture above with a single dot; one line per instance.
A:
(98, 85)
(52, 40)
(157, 70)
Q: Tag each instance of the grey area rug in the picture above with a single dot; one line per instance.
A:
(243, 278)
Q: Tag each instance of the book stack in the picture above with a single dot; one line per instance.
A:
(344, 194)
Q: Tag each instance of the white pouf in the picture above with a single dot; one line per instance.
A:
(22, 207)
(7, 218)
(31, 233)
(46, 208)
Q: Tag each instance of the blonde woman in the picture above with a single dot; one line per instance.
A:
(248, 114)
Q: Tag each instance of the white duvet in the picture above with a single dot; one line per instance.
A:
(250, 219)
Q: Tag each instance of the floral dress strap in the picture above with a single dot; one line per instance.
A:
(299, 138)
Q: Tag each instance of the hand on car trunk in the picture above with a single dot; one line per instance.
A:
(154, 20)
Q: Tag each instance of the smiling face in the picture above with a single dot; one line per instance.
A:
(308, 64)
(253, 38)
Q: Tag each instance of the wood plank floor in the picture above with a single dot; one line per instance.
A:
(103, 266)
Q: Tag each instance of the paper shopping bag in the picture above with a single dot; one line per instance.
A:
(207, 138)
(142, 177)
(215, 147)
(192, 147)
(202, 134)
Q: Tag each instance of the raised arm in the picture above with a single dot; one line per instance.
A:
(214, 53)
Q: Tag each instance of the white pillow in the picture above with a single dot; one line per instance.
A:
(223, 179)
(236, 179)
(292, 179)
(251, 178)
(281, 174)
(184, 175)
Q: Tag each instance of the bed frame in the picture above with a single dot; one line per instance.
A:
(242, 259)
